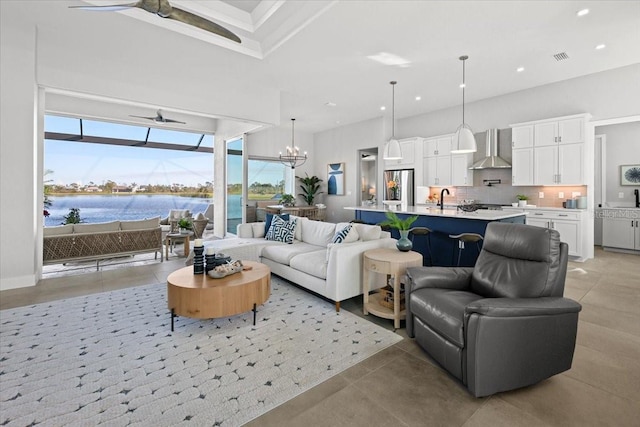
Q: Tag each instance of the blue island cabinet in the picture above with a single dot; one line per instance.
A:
(444, 250)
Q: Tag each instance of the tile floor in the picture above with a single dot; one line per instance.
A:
(402, 386)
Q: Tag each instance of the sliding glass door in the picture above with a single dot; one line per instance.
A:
(234, 195)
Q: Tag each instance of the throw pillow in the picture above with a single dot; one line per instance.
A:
(281, 230)
(347, 234)
(269, 218)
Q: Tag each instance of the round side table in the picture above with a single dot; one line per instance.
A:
(392, 263)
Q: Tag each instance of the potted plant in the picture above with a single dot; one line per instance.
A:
(402, 225)
(310, 186)
(185, 225)
(288, 200)
(522, 200)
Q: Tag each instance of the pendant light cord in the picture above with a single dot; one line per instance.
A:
(464, 85)
(393, 109)
(293, 123)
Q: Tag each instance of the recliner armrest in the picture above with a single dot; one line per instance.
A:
(438, 277)
(520, 307)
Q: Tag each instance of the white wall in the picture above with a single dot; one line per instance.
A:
(342, 145)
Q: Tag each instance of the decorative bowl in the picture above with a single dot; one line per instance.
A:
(392, 205)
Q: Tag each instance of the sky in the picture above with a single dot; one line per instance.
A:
(82, 163)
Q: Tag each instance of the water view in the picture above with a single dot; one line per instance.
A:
(103, 208)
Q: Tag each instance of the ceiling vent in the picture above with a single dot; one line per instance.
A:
(561, 56)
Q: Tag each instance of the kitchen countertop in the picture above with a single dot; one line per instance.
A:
(482, 214)
(542, 208)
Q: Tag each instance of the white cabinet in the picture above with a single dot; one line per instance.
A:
(440, 146)
(570, 223)
(437, 170)
(407, 148)
(461, 176)
(553, 149)
(522, 166)
(620, 229)
(443, 168)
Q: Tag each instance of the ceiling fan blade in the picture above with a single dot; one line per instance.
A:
(200, 22)
(106, 8)
(144, 117)
(172, 121)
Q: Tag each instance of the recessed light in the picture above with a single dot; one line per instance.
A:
(389, 59)
(601, 46)
(330, 104)
(462, 85)
(520, 69)
(383, 108)
(582, 12)
(418, 98)
(337, 122)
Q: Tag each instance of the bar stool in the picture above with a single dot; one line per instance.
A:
(426, 232)
(466, 238)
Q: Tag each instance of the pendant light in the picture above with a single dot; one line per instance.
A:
(293, 158)
(392, 148)
(463, 141)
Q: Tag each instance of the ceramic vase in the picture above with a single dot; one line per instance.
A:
(404, 244)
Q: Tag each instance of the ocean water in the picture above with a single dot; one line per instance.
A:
(104, 208)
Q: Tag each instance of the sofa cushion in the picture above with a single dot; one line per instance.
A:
(283, 253)
(281, 230)
(345, 233)
(317, 232)
(269, 218)
(443, 311)
(298, 235)
(368, 232)
(258, 229)
(58, 230)
(312, 263)
(140, 224)
(99, 227)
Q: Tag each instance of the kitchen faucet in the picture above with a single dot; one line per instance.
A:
(635, 192)
(442, 197)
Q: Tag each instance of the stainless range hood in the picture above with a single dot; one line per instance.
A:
(492, 160)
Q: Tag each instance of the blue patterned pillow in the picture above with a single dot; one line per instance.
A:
(281, 230)
(269, 218)
(341, 235)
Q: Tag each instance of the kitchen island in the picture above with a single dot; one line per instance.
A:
(442, 223)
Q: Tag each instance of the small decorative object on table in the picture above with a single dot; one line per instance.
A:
(198, 258)
(522, 200)
(226, 269)
(402, 225)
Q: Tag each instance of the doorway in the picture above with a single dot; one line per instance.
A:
(368, 173)
(235, 184)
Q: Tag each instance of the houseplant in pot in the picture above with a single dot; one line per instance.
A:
(287, 200)
(522, 200)
(310, 186)
(402, 225)
(185, 225)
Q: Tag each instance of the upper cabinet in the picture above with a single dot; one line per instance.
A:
(441, 168)
(408, 149)
(550, 152)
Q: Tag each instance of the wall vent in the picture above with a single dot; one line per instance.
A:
(561, 56)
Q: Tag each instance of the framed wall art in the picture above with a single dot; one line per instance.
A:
(335, 179)
(630, 175)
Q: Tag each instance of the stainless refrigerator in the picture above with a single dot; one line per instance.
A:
(404, 179)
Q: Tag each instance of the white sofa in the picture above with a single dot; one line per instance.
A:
(333, 270)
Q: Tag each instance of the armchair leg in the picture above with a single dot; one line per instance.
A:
(337, 306)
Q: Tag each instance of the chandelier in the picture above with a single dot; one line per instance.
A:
(463, 141)
(292, 157)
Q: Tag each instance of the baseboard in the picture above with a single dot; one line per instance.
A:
(17, 282)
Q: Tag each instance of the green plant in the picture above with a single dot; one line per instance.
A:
(185, 223)
(522, 197)
(73, 217)
(310, 186)
(287, 200)
(394, 221)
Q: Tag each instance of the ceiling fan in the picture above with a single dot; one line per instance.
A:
(159, 118)
(163, 9)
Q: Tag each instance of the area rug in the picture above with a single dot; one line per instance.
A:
(111, 359)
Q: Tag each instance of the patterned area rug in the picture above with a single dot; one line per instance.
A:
(111, 359)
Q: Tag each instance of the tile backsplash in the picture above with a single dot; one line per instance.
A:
(505, 194)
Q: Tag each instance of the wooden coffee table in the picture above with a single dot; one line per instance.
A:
(201, 297)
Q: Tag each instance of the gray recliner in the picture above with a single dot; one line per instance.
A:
(502, 324)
